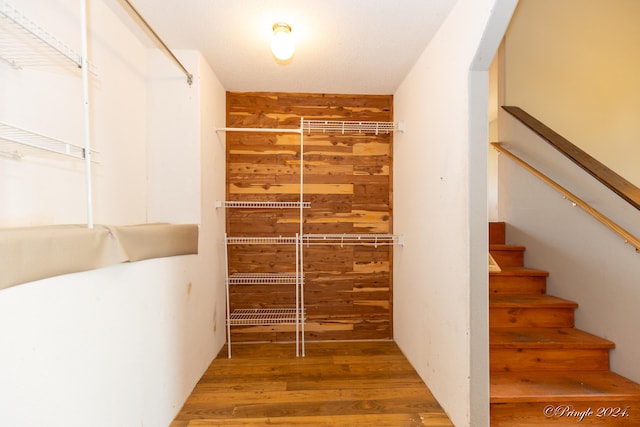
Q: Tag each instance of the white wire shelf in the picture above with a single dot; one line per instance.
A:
(349, 126)
(23, 43)
(19, 143)
(265, 316)
(261, 205)
(265, 279)
(262, 240)
(352, 239)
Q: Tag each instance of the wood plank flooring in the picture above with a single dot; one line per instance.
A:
(336, 384)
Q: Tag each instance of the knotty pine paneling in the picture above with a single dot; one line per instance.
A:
(347, 179)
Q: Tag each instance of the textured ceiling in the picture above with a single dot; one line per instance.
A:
(342, 46)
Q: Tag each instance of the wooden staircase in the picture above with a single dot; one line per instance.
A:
(543, 370)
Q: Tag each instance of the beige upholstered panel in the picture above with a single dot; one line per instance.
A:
(34, 253)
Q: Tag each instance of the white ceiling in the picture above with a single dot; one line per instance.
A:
(342, 46)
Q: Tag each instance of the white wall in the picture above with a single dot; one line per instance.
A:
(492, 161)
(574, 65)
(587, 262)
(578, 76)
(123, 345)
(212, 187)
(186, 177)
(174, 129)
(105, 347)
(440, 206)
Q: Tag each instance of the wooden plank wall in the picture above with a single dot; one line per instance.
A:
(347, 179)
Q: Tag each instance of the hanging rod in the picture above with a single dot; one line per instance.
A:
(161, 43)
(273, 130)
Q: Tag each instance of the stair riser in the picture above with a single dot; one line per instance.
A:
(497, 232)
(517, 359)
(538, 378)
(508, 258)
(566, 413)
(517, 285)
(509, 317)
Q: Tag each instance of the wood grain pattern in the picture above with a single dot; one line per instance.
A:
(347, 179)
(337, 384)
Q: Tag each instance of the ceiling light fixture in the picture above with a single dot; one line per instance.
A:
(282, 44)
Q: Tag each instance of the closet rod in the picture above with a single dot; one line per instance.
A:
(274, 130)
(161, 43)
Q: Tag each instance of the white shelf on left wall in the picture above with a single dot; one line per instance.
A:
(17, 142)
(23, 43)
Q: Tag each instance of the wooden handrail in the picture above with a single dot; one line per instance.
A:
(628, 237)
(599, 171)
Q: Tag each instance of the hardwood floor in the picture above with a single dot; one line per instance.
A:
(337, 384)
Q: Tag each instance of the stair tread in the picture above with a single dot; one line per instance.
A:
(546, 338)
(532, 332)
(529, 301)
(520, 271)
(567, 386)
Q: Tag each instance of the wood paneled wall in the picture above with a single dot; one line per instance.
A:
(347, 179)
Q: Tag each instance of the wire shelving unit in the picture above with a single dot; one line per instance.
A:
(265, 316)
(344, 127)
(23, 43)
(272, 316)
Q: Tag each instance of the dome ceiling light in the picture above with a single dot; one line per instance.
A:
(282, 43)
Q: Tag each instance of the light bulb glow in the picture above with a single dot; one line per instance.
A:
(282, 43)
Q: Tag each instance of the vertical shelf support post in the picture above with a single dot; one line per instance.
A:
(299, 247)
(226, 288)
(87, 116)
